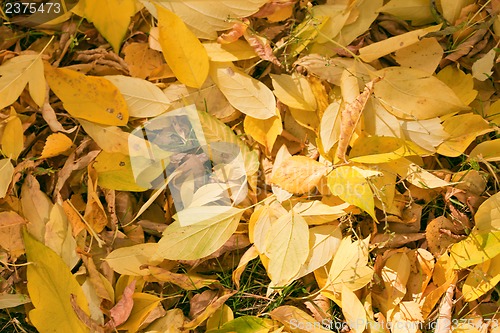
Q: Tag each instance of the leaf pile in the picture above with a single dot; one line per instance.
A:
(163, 159)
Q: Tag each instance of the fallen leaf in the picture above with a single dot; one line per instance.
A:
(6, 173)
(424, 55)
(12, 138)
(293, 318)
(264, 131)
(299, 174)
(415, 95)
(87, 97)
(482, 69)
(46, 274)
(348, 184)
(144, 304)
(112, 18)
(11, 225)
(143, 98)
(16, 73)
(55, 145)
(418, 11)
(245, 93)
(182, 50)
(238, 50)
(462, 84)
(122, 309)
(294, 91)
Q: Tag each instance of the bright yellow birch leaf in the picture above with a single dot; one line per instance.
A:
(299, 174)
(482, 279)
(12, 136)
(329, 130)
(463, 129)
(6, 173)
(295, 91)
(367, 13)
(349, 185)
(245, 93)
(182, 50)
(114, 171)
(50, 286)
(200, 239)
(462, 84)
(264, 131)
(337, 16)
(111, 18)
(389, 45)
(348, 268)
(488, 151)
(16, 73)
(56, 144)
(238, 50)
(88, 97)
(487, 217)
(416, 11)
(395, 274)
(128, 260)
(475, 249)
(380, 149)
(415, 95)
(288, 249)
(353, 310)
(143, 98)
(424, 55)
(143, 305)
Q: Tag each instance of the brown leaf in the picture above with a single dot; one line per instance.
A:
(349, 118)
(10, 233)
(122, 309)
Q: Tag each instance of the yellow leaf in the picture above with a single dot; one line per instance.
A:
(6, 173)
(428, 133)
(87, 97)
(264, 131)
(50, 286)
(337, 16)
(329, 130)
(15, 73)
(386, 46)
(482, 69)
(260, 224)
(482, 279)
(288, 249)
(416, 11)
(299, 174)
(463, 129)
(59, 238)
(373, 150)
(353, 310)
(36, 207)
(295, 91)
(367, 13)
(306, 32)
(238, 50)
(205, 18)
(424, 55)
(487, 217)
(348, 184)
(114, 171)
(452, 8)
(475, 249)
(56, 144)
(462, 84)
(128, 260)
(143, 305)
(245, 93)
(143, 98)
(111, 18)
(317, 212)
(182, 50)
(200, 239)
(416, 175)
(488, 151)
(395, 274)
(12, 137)
(296, 320)
(415, 95)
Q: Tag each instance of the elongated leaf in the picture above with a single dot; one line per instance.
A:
(475, 249)
(412, 94)
(50, 286)
(245, 93)
(200, 239)
(6, 173)
(111, 18)
(182, 50)
(264, 131)
(16, 73)
(128, 260)
(482, 279)
(12, 137)
(143, 98)
(288, 249)
(91, 98)
(205, 18)
(353, 310)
